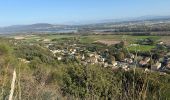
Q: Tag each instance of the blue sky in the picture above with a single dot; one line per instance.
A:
(14, 12)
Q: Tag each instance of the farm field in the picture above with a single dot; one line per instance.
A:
(91, 38)
(105, 39)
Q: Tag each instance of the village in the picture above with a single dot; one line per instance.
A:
(113, 54)
(76, 52)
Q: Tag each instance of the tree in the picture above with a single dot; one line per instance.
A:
(120, 56)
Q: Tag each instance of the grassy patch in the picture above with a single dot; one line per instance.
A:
(142, 48)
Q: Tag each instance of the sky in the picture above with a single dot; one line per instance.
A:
(19, 12)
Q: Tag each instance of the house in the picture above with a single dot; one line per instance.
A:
(55, 51)
(106, 65)
(168, 65)
(125, 67)
(59, 58)
(50, 44)
(128, 60)
(96, 56)
(134, 44)
(90, 54)
(156, 66)
(146, 70)
(160, 43)
(144, 61)
(93, 60)
(46, 40)
(132, 56)
(114, 63)
(83, 57)
(159, 65)
(101, 59)
(147, 59)
(73, 52)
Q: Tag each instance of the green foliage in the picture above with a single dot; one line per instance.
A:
(98, 82)
(141, 48)
(32, 52)
(5, 49)
(7, 64)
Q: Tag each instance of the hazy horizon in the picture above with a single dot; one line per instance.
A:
(17, 12)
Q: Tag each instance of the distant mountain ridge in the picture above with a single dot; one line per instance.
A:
(39, 27)
(46, 27)
(142, 18)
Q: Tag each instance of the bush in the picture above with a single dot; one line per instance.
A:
(33, 52)
(5, 49)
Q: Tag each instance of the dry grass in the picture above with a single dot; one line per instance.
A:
(108, 42)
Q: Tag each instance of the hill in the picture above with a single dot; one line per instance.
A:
(157, 23)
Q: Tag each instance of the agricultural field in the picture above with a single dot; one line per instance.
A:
(105, 39)
(91, 38)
